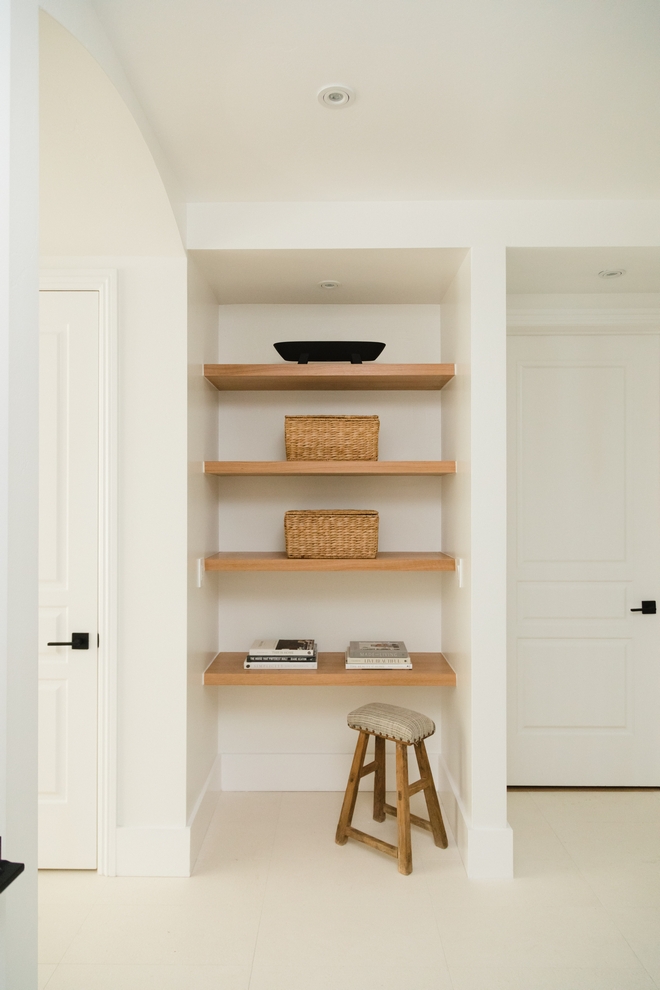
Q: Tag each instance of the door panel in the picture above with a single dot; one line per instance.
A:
(584, 483)
(68, 539)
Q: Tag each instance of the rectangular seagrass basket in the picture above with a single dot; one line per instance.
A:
(323, 533)
(331, 438)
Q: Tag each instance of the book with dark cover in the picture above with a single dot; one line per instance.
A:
(282, 648)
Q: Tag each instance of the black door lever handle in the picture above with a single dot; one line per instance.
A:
(79, 641)
(648, 608)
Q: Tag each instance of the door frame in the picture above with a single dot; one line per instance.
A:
(103, 281)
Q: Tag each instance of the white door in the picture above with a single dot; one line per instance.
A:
(584, 454)
(68, 549)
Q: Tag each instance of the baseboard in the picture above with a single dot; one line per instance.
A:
(297, 771)
(169, 852)
(487, 853)
(453, 808)
(200, 816)
(153, 852)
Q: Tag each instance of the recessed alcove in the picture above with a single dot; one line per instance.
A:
(395, 296)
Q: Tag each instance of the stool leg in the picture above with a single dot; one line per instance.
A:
(379, 780)
(350, 797)
(431, 795)
(403, 810)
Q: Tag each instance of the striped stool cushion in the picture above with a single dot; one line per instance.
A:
(392, 721)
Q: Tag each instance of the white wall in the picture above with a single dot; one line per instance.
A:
(18, 485)
(104, 206)
(297, 738)
(456, 763)
(490, 840)
(202, 729)
(101, 193)
(81, 19)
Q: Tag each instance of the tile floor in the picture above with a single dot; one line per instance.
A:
(276, 905)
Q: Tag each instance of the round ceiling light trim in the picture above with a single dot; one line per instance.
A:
(612, 273)
(336, 97)
(329, 283)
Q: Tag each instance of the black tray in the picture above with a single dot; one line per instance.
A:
(303, 351)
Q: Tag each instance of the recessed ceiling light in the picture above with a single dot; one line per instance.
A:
(329, 284)
(336, 96)
(612, 273)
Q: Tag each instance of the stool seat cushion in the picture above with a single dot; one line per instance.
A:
(393, 722)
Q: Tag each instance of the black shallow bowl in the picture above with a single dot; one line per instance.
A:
(303, 351)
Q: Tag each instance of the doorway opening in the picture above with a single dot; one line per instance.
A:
(78, 570)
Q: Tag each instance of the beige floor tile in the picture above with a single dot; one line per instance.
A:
(611, 844)
(112, 977)
(573, 806)
(620, 863)
(311, 809)
(212, 887)
(272, 886)
(641, 928)
(70, 886)
(551, 978)
(44, 974)
(327, 977)
(523, 809)
(321, 928)
(523, 937)
(248, 808)
(186, 934)
(635, 885)
(58, 926)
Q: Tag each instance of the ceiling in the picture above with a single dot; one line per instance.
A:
(575, 270)
(456, 99)
(419, 275)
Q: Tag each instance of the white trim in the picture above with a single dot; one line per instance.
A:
(103, 281)
(153, 852)
(564, 317)
(487, 853)
(295, 771)
(202, 813)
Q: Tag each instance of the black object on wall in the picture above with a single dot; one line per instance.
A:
(8, 871)
(304, 351)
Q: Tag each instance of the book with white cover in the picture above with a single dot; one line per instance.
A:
(279, 663)
(377, 649)
(282, 648)
(393, 663)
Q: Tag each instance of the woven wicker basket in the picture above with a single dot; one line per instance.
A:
(331, 438)
(322, 533)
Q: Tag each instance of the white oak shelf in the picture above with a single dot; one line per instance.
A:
(293, 469)
(326, 376)
(429, 669)
(278, 561)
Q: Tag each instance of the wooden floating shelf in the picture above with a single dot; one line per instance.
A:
(323, 376)
(278, 561)
(290, 469)
(429, 669)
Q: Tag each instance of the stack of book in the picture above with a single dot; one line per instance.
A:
(377, 655)
(282, 654)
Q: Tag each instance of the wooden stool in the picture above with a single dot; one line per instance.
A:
(405, 728)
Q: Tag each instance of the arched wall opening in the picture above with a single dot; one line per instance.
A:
(104, 207)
